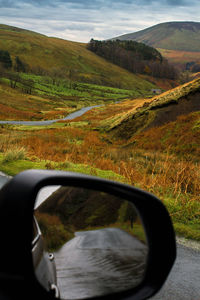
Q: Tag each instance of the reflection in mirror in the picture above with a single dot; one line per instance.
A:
(87, 243)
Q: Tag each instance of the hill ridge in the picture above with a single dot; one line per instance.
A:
(158, 111)
(18, 29)
(174, 35)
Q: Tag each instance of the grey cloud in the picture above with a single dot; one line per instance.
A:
(80, 20)
(92, 4)
(178, 2)
(8, 4)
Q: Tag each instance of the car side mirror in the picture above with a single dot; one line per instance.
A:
(93, 238)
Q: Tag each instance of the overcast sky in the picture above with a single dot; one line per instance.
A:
(79, 20)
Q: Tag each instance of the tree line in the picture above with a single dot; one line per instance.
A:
(11, 70)
(6, 62)
(133, 56)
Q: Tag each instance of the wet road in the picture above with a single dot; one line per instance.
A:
(99, 262)
(71, 116)
(183, 282)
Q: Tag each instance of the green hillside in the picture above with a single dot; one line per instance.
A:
(184, 36)
(72, 60)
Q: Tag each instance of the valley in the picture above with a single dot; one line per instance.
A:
(134, 136)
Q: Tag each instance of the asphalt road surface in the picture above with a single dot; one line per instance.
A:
(99, 262)
(183, 282)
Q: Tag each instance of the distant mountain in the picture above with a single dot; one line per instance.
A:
(181, 36)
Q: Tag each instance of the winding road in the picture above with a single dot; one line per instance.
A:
(71, 116)
(99, 262)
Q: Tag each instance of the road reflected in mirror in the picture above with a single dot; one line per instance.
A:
(87, 243)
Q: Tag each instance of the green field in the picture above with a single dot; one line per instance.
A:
(50, 100)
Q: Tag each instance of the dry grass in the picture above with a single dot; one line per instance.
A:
(180, 57)
(140, 107)
(151, 169)
(17, 153)
(156, 160)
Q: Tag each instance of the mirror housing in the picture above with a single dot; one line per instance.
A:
(17, 200)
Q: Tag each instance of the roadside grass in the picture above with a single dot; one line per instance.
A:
(14, 154)
(188, 231)
(184, 210)
(13, 167)
(171, 175)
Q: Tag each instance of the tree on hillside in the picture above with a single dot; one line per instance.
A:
(71, 76)
(5, 59)
(14, 78)
(2, 70)
(38, 70)
(56, 75)
(19, 65)
(27, 85)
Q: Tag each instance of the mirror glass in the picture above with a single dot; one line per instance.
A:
(87, 243)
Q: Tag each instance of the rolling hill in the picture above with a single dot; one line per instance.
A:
(44, 54)
(182, 36)
(179, 42)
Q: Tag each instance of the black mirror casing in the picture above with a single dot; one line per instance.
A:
(17, 199)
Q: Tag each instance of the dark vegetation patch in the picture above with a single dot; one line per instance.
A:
(81, 207)
(170, 113)
(136, 57)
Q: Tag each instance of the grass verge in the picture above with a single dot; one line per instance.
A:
(13, 167)
(185, 217)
